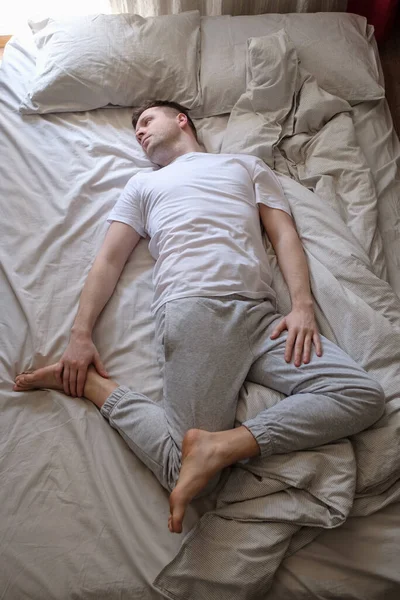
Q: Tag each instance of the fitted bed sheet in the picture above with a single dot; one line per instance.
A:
(81, 517)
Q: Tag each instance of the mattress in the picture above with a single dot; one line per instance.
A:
(81, 517)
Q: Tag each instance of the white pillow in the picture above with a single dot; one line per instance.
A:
(331, 46)
(124, 60)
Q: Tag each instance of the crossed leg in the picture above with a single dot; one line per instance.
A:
(210, 347)
(204, 453)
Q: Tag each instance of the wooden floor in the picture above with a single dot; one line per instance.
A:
(389, 52)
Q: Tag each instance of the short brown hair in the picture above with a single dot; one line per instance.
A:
(165, 103)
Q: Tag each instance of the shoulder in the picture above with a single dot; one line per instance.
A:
(139, 179)
(251, 161)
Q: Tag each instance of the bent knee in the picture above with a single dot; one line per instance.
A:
(374, 400)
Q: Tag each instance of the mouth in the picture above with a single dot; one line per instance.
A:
(145, 141)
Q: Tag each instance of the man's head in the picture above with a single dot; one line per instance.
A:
(164, 130)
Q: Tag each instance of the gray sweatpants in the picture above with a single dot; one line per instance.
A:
(207, 348)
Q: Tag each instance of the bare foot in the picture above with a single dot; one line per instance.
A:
(97, 388)
(201, 460)
(47, 377)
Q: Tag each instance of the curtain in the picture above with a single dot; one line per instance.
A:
(15, 13)
(150, 8)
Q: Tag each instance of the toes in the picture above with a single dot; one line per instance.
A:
(18, 387)
(176, 516)
(177, 519)
(22, 382)
(25, 381)
(20, 379)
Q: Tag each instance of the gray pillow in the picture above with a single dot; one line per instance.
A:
(331, 46)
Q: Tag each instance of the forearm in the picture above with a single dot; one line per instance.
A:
(293, 264)
(96, 292)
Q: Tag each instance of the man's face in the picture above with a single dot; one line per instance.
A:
(157, 129)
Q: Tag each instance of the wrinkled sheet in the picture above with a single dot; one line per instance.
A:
(270, 508)
(81, 517)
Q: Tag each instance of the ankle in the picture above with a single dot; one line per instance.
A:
(237, 444)
(97, 389)
(90, 380)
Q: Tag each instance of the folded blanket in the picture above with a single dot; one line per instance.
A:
(270, 508)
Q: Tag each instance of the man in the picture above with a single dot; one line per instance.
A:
(216, 319)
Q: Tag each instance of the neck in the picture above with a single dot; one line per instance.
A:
(165, 156)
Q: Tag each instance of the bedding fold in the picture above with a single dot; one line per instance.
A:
(82, 517)
(269, 508)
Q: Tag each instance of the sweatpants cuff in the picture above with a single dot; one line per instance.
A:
(261, 435)
(112, 400)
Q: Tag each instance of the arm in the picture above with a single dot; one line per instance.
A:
(292, 261)
(118, 244)
(282, 233)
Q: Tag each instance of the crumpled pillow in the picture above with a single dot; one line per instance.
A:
(333, 47)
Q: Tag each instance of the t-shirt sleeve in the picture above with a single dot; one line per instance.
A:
(128, 208)
(268, 189)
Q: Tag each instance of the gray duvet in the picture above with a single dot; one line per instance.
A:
(270, 508)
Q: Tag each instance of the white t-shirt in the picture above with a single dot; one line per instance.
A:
(201, 214)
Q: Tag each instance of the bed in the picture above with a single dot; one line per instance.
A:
(81, 516)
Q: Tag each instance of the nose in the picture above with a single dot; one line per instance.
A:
(140, 134)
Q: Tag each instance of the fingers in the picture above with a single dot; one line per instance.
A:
(66, 380)
(317, 344)
(307, 349)
(299, 340)
(81, 381)
(301, 343)
(59, 372)
(298, 349)
(289, 345)
(278, 329)
(99, 366)
(77, 379)
(72, 379)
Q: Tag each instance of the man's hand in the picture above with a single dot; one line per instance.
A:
(80, 353)
(302, 331)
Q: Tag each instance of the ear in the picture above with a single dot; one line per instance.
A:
(182, 120)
